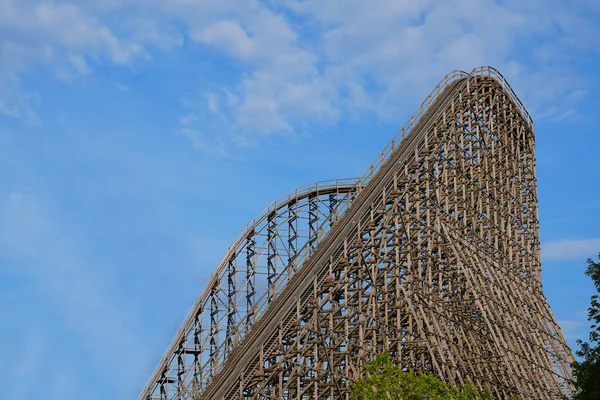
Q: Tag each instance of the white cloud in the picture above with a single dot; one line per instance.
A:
(154, 30)
(556, 114)
(52, 34)
(187, 119)
(228, 35)
(313, 62)
(382, 56)
(121, 87)
(212, 102)
(78, 62)
(568, 326)
(200, 142)
(70, 27)
(59, 34)
(565, 249)
(570, 330)
(19, 105)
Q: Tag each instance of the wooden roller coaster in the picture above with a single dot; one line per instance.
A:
(433, 255)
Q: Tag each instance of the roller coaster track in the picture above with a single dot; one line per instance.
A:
(272, 305)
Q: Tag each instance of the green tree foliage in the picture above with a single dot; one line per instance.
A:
(386, 381)
(587, 371)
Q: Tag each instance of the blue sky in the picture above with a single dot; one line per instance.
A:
(138, 137)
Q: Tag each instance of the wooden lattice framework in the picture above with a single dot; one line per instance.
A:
(433, 255)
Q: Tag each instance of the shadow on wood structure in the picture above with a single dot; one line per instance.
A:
(432, 255)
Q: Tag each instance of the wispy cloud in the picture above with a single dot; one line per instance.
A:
(566, 249)
(570, 329)
(311, 63)
(57, 36)
(568, 326)
(19, 105)
(121, 86)
(200, 142)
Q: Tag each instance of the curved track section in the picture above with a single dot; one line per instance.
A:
(246, 361)
(256, 267)
(206, 337)
(433, 255)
